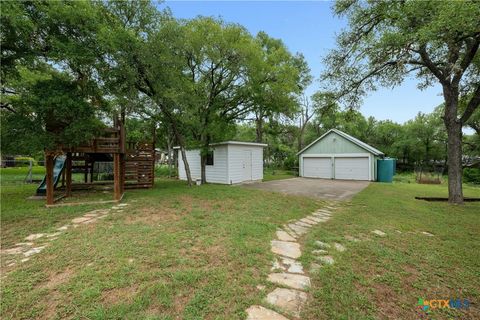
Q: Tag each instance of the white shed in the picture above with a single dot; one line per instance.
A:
(229, 162)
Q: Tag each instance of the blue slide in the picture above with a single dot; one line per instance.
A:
(57, 172)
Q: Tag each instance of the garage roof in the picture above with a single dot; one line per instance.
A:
(354, 140)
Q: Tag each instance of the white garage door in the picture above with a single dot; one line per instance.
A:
(351, 168)
(317, 168)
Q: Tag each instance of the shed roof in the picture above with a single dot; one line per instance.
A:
(241, 143)
(354, 140)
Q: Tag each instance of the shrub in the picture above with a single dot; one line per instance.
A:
(471, 175)
(290, 162)
(162, 171)
(24, 161)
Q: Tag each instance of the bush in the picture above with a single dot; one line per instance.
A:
(290, 162)
(24, 161)
(471, 175)
(162, 171)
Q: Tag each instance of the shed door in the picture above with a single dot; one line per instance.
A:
(247, 165)
(351, 168)
(317, 168)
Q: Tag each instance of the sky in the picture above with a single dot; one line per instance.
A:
(310, 27)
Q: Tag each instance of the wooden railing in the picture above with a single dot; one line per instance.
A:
(110, 141)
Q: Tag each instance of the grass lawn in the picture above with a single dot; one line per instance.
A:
(277, 174)
(17, 175)
(383, 277)
(175, 253)
(199, 253)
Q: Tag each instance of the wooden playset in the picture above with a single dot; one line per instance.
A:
(133, 164)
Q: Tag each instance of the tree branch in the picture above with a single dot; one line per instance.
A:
(430, 65)
(467, 59)
(471, 106)
(8, 107)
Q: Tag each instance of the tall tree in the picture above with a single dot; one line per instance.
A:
(214, 55)
(49, 58)
(143, 55)
(306, 113)
(277, 80)
(387, 41)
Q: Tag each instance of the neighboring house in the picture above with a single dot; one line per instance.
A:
(337, 155)
(229, 162)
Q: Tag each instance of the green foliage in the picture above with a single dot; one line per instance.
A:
(387, 41)
(471, 175)
(24, 161)
(291, 161)
(244, 132)
(163, 171)
(50, 93)
(421, 139)
(276, 81)
(139, 130)
(48, 111)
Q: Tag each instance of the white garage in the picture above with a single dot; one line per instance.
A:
(317, 167)
(228, 162)
(337, 155)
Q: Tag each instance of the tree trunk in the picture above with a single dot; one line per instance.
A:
(300, 137)
(187, 167)
(203, 157)
(169, 155)
(454, 145)
(455, 191)
(259, 130)
(203, 164)
(181, 142)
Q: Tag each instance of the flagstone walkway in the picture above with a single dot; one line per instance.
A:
(288, 273)
(35, 243)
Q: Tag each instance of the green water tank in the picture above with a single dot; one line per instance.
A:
(385, 169)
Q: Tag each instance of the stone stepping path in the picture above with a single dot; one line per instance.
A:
(379, 233)
(37, 242)
(287, 271)
(291, 300)
(261, 313)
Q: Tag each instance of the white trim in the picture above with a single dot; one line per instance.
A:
(370, 167)
(344, 135)
(332, 160)
(241, 143)
(255, 144)
(337, 155)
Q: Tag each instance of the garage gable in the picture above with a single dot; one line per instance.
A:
(333, 143)
(337, 155)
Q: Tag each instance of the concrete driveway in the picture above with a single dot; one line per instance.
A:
(315, 188)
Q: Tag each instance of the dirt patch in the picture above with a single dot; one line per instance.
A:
(51, 304)
(412, 275)
(188, 203)
(57, 279)
(176, 209)
(387, 302)
(181, 300)
(153, 216)
(117, 295)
